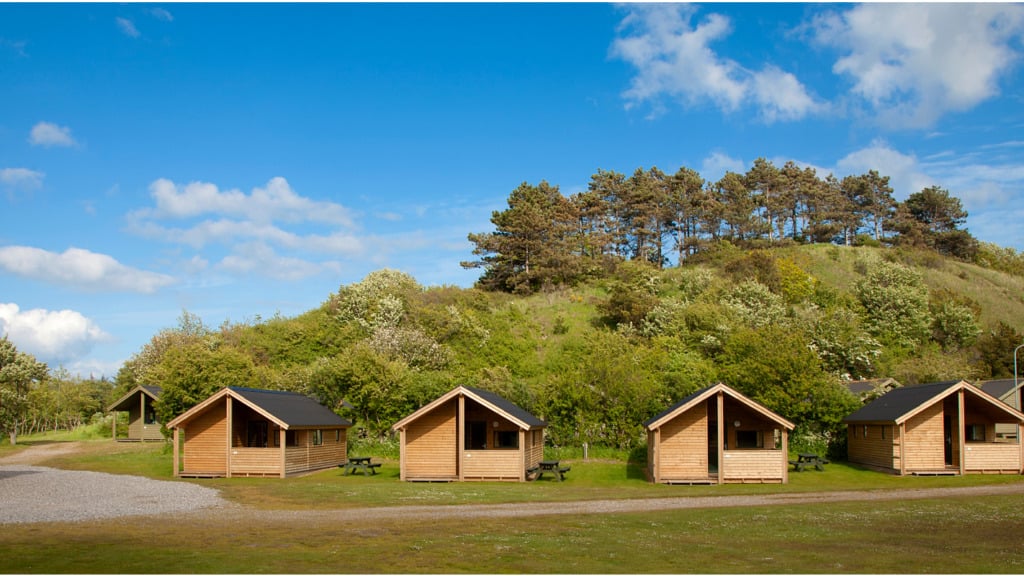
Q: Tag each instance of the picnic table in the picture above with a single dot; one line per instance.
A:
(804, 460)
(551, 466)
(359, 463)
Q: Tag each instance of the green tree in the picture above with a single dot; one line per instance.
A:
(190, 373)
(533, 242)
(895, 303)
(18, 372)
(932, 218)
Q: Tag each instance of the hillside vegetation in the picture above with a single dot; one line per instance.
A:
(785, 326)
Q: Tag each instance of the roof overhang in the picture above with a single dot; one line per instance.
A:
(712, 391)
(466, 392)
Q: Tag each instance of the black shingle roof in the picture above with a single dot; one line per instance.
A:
(508, 407)
(893, 404)
(997, 388)
(295, 410)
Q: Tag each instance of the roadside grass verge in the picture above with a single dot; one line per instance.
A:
(962, 535)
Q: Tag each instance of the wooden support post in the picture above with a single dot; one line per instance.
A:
(227, 439)
(460, 435)
(282, 436)
(961, 430)
(720, 400)
(177, 469)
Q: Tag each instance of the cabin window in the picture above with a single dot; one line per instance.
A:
(337, 435)
(975, 432)
(883, 432)
(506, 439)
(749, 439)
(865, 431)
(318, 437)
(256, 434)
(150, 415)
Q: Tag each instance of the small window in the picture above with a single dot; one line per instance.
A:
(318, 437)
(883, 432)
(337, 435)
(256, 434)
(150, 415)
(975, 432)
(506, 439)
(865, 431)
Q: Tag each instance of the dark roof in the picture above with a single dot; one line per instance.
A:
(997, 388)
(677, 405)
(294, 409)
(897, 402)
(507, 407)
(129, 399)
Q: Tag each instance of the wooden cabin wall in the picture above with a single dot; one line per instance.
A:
(137, 427)
(205, 446)
(431, 444)
(534, 452)
(306, 456)
(683, 452)
(877, 448)
(925, 442)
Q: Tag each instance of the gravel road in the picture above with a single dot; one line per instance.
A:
(31, 493)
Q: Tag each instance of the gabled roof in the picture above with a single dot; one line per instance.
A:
(288, 410)
(1002, 389)
(492, 401)
(897, 406)
(705, 393)
(861, 387)
(129, 400)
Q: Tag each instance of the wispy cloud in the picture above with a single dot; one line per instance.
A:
(21, 179)
(253, 226)
(674, 58)
(51, 336)
(80, 269)
(161, 14)
(911, 63)
(127, 27)
(48, 135)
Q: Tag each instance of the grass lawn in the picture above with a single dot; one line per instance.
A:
(955, 535)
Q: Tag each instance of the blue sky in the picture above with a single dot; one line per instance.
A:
(239, 160)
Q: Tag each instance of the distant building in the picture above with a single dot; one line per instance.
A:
(868, 390)
(142, 422)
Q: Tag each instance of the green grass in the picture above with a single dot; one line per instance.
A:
(968, 535)
(956, 535)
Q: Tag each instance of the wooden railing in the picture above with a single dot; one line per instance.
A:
(982, 457)
(754, 465)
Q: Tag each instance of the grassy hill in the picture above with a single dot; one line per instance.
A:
(598, 359)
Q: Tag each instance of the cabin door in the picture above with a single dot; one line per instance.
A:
(712, 440)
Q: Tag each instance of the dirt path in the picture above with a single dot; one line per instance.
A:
(39, 452)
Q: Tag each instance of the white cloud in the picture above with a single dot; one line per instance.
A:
(21, 179)
(127, 27)
(904, 170)
(260, 258)
(49, 134)
(161, 14)
(276, 201)
(674, 58)
(912, 63)
(80, 269)
(717, 164)
(50, 336)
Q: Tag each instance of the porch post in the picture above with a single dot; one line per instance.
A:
(460, 436)
(523, 451)
(282, 435)
(142, 416)
(961, 430)
(903, 448)
(655, 448)
(175, 450)
(401, 454)
(785, 456)
(227, 443)
(113, 425)
(720, 399)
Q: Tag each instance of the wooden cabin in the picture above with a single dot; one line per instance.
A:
(248, 432)
(1008, 392)
(469, 434)
(142, 422)
(717, 435)
(940, 428)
